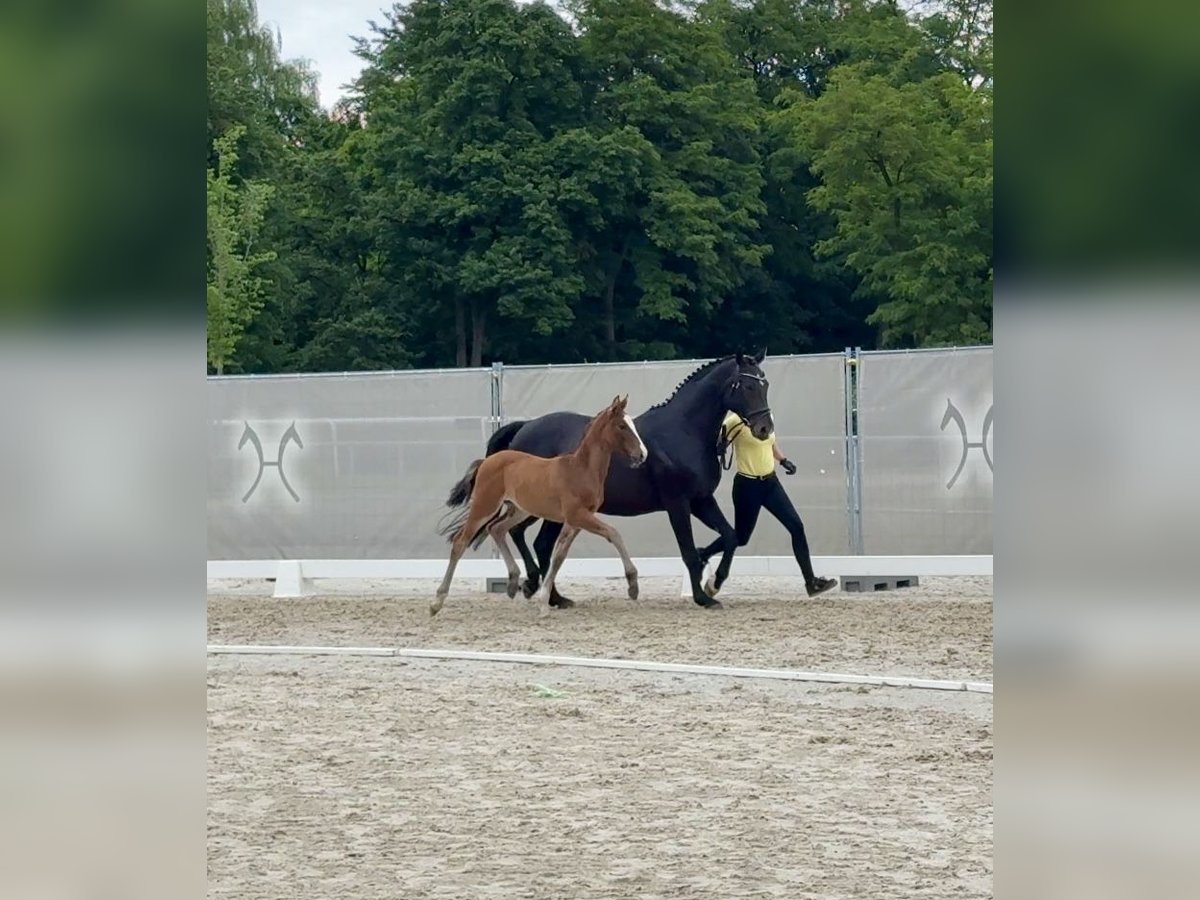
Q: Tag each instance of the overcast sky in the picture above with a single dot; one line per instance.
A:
(321, 31)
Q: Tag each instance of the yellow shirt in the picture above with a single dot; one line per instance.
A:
(754, 457)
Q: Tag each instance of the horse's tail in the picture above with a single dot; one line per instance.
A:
(503, 437)
(461, 492)
(453, 523)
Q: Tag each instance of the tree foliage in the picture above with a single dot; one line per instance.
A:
(626, 179)
(235, 253)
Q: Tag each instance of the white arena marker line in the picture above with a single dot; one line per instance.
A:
(273, 650)
(627, 664)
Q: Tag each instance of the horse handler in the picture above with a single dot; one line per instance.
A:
(756, 487)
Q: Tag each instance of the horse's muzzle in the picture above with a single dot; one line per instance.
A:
(762, 428)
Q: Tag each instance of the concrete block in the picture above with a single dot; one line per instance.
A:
(867, 583)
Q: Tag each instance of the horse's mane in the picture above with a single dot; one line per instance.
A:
(708, 366)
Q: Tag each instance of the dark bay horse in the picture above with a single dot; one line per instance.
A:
(680, 476)
(509, 487)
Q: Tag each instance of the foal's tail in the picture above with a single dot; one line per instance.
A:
(454, 522)
(461, 492)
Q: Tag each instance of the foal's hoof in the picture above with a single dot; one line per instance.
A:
(527, 589)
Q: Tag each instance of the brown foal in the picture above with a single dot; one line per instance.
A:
(511, 487)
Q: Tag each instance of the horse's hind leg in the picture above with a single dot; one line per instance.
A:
(457, 548)
(498, 532)
(709, 512)
(482, 511)
(544, 545)
(533, 573)
(588, 521)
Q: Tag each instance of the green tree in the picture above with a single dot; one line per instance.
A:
(906, 171)
(235, 254)
(465, 99)
(674, 228)
(249, 85)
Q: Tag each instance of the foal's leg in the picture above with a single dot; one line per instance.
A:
(481, 510)
(544, 545)
(457, 548)
(498, 531)
(588, 521)
(561, 547)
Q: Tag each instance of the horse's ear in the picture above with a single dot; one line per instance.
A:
(624, 402)
(762, 354)
(741, 359)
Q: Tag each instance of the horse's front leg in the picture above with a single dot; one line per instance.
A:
(708, 511)
(680, 514)
(589, 522)
(561, 547)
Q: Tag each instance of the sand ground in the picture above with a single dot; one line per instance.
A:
(391, 778)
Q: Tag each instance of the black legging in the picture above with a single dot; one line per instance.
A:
(753, 494)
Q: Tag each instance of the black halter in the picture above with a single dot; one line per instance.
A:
(723, 444)
(754, 412)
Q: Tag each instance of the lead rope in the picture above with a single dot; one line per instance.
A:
(725, 454)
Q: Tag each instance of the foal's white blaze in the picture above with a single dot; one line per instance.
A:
(633, 428)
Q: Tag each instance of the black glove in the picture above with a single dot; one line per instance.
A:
(788, 466)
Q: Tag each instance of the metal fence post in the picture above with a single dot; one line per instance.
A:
(497, 418)
(497, 396)
(853, 453)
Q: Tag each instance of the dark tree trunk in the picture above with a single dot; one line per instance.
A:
(478, 334)
(610, 315)
(460, 332)
(610, 294)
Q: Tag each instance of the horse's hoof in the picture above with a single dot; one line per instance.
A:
(434, 608)
(633, 590)
(562, 603)
(513, 587)
(710, 604)
(710, 587)
(527, 589)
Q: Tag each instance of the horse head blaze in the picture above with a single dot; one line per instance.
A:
(625, 434)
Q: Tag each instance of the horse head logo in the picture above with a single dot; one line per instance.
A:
(953, 415)
(289, 436)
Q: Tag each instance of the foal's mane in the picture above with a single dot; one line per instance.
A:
(707, 367)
